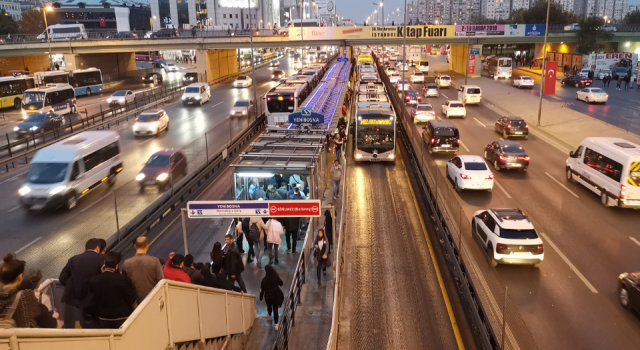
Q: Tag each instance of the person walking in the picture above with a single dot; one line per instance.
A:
(114, 294)
(336, 175)
(233, 266)
(575, 69)
(173, 269)
(565, 69)
(18, 308)
(143, 270)
(257, 231)
(193, 32)
(217, 258)
(321, 254)
(273, 239)
(246, 225)
(239, 234)
(627, 80)
(591, 74)
(328, 227)
(338, 143)
(291, 226)
(619, 82)
(271, 293)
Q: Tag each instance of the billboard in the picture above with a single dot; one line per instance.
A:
(535, 30)
(326, 7)
(311, 33)
(480, 29)
(394, 32)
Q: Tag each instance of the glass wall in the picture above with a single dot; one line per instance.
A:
(183, 12)
(165, 12)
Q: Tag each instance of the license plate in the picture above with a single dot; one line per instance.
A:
(151, 182)
(189, 103)
(518, 132)
(445, 146)
(523, 254)
(515, 165)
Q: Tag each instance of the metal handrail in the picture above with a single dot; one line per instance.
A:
(291, 304)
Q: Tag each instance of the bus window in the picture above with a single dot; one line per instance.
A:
(33, 99)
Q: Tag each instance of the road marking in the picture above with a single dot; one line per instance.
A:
(145, 141)
(561, 184)
(634, 240)
(479, 122)
(501, 139)
(13, 178)
(566, 260)
(445, 96)
(465, 147)
(92, 204)
(28, 245)
(502, 188)
(217, 104)
(14, 208)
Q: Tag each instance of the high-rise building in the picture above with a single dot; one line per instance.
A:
(496, 9)
(612, 9)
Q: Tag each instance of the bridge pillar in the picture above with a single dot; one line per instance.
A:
(108, 63)
(215, 64)
(458, 60)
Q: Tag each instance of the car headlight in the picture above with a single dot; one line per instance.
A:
(24, 190)
(358, 156)
(162, 177)
(244, 112)
(57, 190)
(184, 78)
(24, 112)
(233, 112)
(121, 100)
(16, 128)
(140, 177)
(272, 76)
(184, 97)
(391, 156)
(245, 84)
(109, 100)
(198, 97)
(33, 128)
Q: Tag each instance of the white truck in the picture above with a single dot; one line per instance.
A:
(613, 64)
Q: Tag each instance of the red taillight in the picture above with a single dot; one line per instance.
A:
(526, 126)
(408, 97)
(433, 140)
(466, 177)
(509, 126)
(503, 158)
(623, 191)
(458, 141)
(291, 98)
(607, 95)
(501, 246)
(524, 158)
(419, 98)
(490, 177)
(540, 247)
(268, 99)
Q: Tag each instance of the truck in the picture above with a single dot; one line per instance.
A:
(613, 64)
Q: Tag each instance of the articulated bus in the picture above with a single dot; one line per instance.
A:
(365, 58)
(85, 82)
(12, 88)
(375, 136)
(285, 99)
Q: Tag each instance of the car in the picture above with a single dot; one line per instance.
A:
(297, 65)
(584, 72)
(243, 108)
(423, 112)
(433, 52)
(279, 52)
(603, 73)
(243, 81)
(190, 77)
(403, 68)
(470, 94)
(469, 173)
(148, 34)
(508, 237)
(523, 81)
(506, 155)
(121, 98)
(441, 137)
(170, 67)
(454, 109)
(403, 85)
(275, 63)
(151, 122)
(443, 81)
(162, 169)
(417, 77)
(592, 94)
(431, 90)
(148, 78)
(609, 28)
(166, 33)
(512, 126)
(394, 77)
(277, 75)
(576, 81)
(38, 124)
(390, 70)
(257, 59)
(196, 93)
(282, 80)
(125, 35)
(393, 57)
(412, 97)
(629, 290)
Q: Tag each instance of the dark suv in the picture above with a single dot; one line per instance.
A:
(506, 155)
(190, 77)
(165, 33)
(441, 137)
(512, 126)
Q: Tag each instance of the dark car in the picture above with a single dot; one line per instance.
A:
(275, 63)
(277, 75)
(162, 169)
(147, 79)
(166, 33)
(190, 77)
(576, 81)
(441, 137)
(512, 126)
(39, 123)
(257, 60)
(125, 35)
(506, 155)
(629, 290)
(412, 97)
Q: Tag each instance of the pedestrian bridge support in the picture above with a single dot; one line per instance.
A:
(458, 60)
(215, 64)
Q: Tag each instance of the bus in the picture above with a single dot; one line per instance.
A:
(64, 32)
(57, 98)
(148, 56)
(85, 82)
(375, 132)
(499, 67)
(365, 58)
(285, 99)
(12, 88)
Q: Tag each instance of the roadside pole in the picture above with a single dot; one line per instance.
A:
(544, 63)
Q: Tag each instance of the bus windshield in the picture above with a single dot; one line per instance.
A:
(376, 136)
(424, 63)
(280, 103)
(33, 99)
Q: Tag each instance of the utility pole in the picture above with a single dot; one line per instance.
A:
(253, 60)
(544, 63)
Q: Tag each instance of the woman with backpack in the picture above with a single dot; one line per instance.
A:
(18, 309)
(270, 291)
(322, 254)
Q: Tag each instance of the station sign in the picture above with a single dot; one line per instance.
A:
(306, 117)
(272, 209)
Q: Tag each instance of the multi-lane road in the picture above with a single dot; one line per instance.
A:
(47, 239)
(571, 301)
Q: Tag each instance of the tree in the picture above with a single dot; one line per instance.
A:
(32, 21)
(591, 37)
(8, 25)
(632, 18)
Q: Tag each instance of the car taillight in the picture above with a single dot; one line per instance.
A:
(503, 158)
(524, 158)
(501, 246)
(540, 246)
(607, 95)
(466, 177)
(490, 177)
(433, 140)
(623, 191)
(458, 141)
(509, 126)
(416, 113)
(408, 97)
(268, 99)
(419, 98)
(526, 126)
(291, 98)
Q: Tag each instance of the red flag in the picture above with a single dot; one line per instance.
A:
(428, 48)
(472, 64)
(550, 78)
(103, 22)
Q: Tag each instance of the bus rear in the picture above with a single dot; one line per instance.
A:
(500, 67)
(630, 189)
(278, 107)
(423, 65)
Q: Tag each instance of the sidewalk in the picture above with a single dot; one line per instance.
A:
(535, 71)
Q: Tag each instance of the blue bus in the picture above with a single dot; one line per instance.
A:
(85, 82)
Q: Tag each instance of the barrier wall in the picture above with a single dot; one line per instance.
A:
(36, 63)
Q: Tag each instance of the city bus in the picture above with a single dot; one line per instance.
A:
(285, 99)
(12, 88)
(85, 82)
(365, 58)
(423, 65)
(375, 136)
(148, 56)
(57, 98)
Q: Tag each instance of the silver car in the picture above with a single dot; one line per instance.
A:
(430, 90)
(243, 108)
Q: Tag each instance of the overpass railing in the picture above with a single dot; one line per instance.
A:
(173, 315)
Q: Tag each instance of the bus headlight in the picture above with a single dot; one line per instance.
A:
(57, 190)
(162, 177)
(391, 156)
(24, 190)
(358, 156)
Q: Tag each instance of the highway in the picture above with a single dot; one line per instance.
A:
(47, 239)
(571, 301)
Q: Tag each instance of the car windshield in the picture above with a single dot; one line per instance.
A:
(119, 93)
(47, 173)
(525, 78)
(473, 91)
(145, 118)
(241, 104)
(425, 108)
(158, 160)
(445, 78)
(517, 149)
(518, 234)
(445, 131)
(418, 74)
(456, 105)
(475, 166)
(402, 82)
(192, 90)
(171, 65)
(432, 87)
(278, 72)
(424, 63)
(242, 78)
(598, 91)
(33, 99)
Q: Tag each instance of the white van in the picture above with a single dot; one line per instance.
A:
(65, 32)
(64, 172)
(57, 98)
(470, 94)
(196, 93)
(610, 167)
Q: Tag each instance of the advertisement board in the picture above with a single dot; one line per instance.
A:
(413, 32)
(472, 64)
(311, 33)
(326, 7)
(535, 30)
(480, 29)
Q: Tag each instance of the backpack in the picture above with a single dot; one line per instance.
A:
(6, 320)
(254, 232)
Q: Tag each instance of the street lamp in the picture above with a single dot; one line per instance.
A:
(46, 28)
(151, 22)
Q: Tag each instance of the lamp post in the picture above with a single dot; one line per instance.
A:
(151, 22)
(46, 29)
(253, 60)
(404, 51)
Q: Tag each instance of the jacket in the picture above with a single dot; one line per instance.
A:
(336, 172)
(195, 275)
(144, 271)
(261, 225)
(177, 275)
(270, 290)
(75, 277)
(274, 232)
(245, 225)
(320, 252)
(292, 224)
(232, 260)
(28, 310)
(114, 295)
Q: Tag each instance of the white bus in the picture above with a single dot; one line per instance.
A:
(285, 99)
(65, 32)
(375, 135)
(85, 82)
(57, 98)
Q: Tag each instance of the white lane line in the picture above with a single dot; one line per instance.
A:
(14, 208)
(634, 240)
(13, 178)
(445, 96)
(561, 184)
(217, 104)
(566, 260)
(145, 141)
(92, 204)
(479, 122)
(463, 146)
(503, 190)
(28, 245)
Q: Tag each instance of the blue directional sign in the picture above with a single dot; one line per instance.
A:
(535, 30)
(474, 51)
(306, 118)
(343, 59)
(306, 112)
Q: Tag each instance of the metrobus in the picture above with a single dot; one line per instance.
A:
(84, 81)
(12, 88)
(423, 65)
(365, 58)
(148, 56)
(57, 98)
(285, 99)
(375, 136)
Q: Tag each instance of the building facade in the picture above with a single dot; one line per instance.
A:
(12, 8)
(104, 16)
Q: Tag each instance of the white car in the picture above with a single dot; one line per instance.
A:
(454, 109)
(243, 108)
(394, 77)
(243, 81)
(508, 237)
(469, 173)
(403, 85)
(603, 73)
(391, 70)
(417, 77)
(170, 67)
(592, 95)
(443, 81)
(584, 73)
(423, 113)
(151, 122)
(121, 98)
(523, 81)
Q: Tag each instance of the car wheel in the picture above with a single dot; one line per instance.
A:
(577, 97)
(623, 296)
(492, 259)
(570, 176)
(71, 202)
(504, 134)
(496, 166)
(604, 199)
(167, 128)
(17, 103)
(457, 186)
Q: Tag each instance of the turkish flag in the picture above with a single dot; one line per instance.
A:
(550, 77)
(103, 22)
(428, 48)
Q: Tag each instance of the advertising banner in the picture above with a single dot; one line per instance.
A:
(326, 7)
(472, 64)
(535, 30)
(311, 33)
(550, 78)
(393, 32)
(480, 29)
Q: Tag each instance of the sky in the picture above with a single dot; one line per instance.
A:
(358, 10)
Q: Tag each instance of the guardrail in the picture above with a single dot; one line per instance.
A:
(288, 319)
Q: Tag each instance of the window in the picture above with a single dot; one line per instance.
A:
(489, 222)
(224, 15)
(100, 156)
(75, 171)
(236, 15)
(86, 79)
(603, 164)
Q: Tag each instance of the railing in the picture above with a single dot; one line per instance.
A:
(626, 28)
(174, 313)
(291, 302)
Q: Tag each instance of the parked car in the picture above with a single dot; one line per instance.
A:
(162, 170)
(39, 123)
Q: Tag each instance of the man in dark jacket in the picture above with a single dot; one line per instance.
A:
(245, 231)
(291, 226)
(114, 293)
(195, 275)
(75, 277)
(233, 265)
(590, 74)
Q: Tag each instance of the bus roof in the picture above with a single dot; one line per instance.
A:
(51, 88)
(287, 87)
(15, 78)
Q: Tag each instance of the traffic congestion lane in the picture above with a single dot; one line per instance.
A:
(96, 210)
